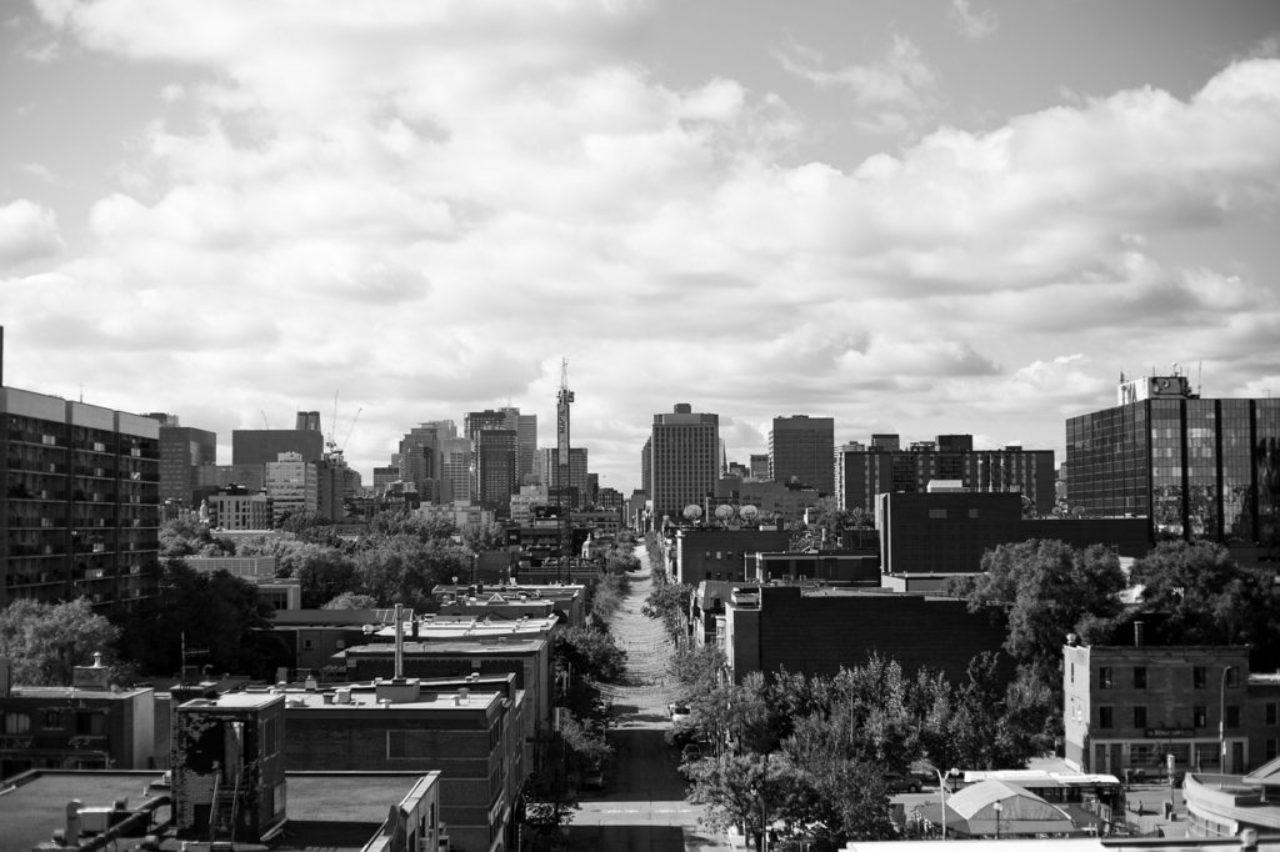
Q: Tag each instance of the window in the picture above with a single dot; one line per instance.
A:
(1140, 716)
(1233, 676)
(1199, 674)
(1104, 677)
(17, 723)
(1139, 677)
(1233, 716)
(91, 724)
(1271, 713)
(1105, 717)
(1271, 750)
(937, 514)
(53, 718)
(1073, 672)
(973, 513)
(307, 644)
(1199, 716)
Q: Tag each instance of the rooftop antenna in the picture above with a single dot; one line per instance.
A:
(265, 424)
(1199, 377)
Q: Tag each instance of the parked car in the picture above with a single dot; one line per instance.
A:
(593, 776)
(896, 782)
(691, 752)
(679, 713)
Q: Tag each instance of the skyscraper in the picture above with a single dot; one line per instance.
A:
(684, 461)
(801, 451)
(182, 450)
(1196, 467)
(548, 470)
(495, 466)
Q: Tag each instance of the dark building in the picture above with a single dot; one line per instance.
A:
(80, 504)
(1194, 467)
(948, 533)
(182, 450)
(260, 446)
(720, 554)
(817, 632)
(684, 460)
(861, 474)
(496, 469)
(800, 451)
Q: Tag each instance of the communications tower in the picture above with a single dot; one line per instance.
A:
(563, 400)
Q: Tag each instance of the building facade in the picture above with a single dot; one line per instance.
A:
(182, 450)
(684, 460)
(861, 474)
(1197, 468)
(1130, 706)
(235, 508)
(259, 446)
(800, 451)
(81, 501)
(293, 484)
(547, 470)
(495, 469)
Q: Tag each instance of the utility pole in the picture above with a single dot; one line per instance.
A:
(563, 400)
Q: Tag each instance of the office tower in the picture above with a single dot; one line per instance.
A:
(259, 446)
(307, 421)
(684, 460)
(420, 459)
(759, 463)
(526, 445)
(885, 443)
(495, 466)
(548, 470)
(478, 421)
(801, 451)
(1196, 467)
(646, 464)
(337, 485)
(81, 502)
(183, 450)
(455, 471)
(293, 484)
(862, 473)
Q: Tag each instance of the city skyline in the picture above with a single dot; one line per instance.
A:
(920, 218)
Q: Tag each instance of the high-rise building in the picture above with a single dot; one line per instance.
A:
(1196, 467)
(547, 468)
(800, 451)
(862, 473)
(293, 484)
(684, 460)
(495, 465)
(182, 450)
(259, 446)
(455, 471)
(307, 421)
(759, 466)
(526, 445)
(420, 457)
(80, 503)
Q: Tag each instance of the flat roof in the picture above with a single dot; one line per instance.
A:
(367, 699)
(236, 700)
(327, 810)
(77, 692)
(451, 647)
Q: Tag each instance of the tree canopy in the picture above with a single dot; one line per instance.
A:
(45, 642)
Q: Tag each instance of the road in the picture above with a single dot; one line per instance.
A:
(642, 807)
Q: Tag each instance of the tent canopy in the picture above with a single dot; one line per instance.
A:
(972, 811)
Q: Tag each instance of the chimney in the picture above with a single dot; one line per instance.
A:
(399, 642)
(1137, 634)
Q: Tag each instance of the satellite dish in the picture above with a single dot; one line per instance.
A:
(692, 512)
(749, 512)
(724, 512)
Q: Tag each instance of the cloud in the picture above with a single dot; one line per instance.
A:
(970, 22)
(427, 205)
(893, 90)
(28, 232)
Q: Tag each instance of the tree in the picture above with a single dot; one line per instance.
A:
(483, 537)
(670, 602)
(404, 568)
(44, 642)
(219, 617)
(351, 600)
(187, 535)
(1046, 588)
(751, 791)
(1208, 597)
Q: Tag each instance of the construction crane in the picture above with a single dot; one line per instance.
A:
(563, 400)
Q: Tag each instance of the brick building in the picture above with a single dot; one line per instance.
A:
(947, 533)
(815, 632)
(720, 554)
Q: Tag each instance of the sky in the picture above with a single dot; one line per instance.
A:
(914, 217)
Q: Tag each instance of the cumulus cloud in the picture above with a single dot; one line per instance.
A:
(429, 204)
(27, 232)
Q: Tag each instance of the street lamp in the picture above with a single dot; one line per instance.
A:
(942, 795)
(1222, 721)
(998, 806)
